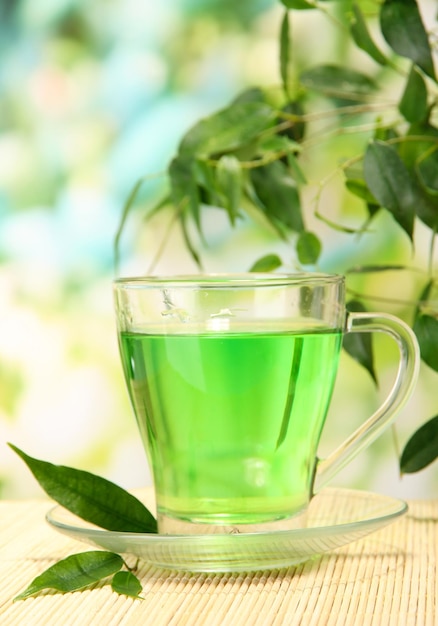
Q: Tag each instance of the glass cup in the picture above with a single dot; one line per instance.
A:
(230, 378)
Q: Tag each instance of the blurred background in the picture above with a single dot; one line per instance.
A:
(92, 97)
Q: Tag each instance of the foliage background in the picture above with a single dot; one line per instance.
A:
(93, 96)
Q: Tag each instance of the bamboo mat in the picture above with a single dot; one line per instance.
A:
(388, 578)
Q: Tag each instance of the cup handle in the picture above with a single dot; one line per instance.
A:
(406, 378)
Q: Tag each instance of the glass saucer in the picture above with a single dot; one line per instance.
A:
(335, 517)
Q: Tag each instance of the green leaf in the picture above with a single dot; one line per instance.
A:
(273, 147)
(126, 584)
(420, 152)
(227, 130)
(295, 169)
(420, 138)
(403, 29)
(206, 179)
(427, 208)
(278, 195)
(308, 248)
(426, 329)
(359, 345)
(413, 104)
(362, 37)
(427, 174)
(338, 82)
(229, 183)
(285, 52)
(421, 449)
(184, 189)
(188, 240)
(298, 4)
(420, 155)
(426, 163)
(359, 188)
(391, 184)
(355, 183)
(425, 294)
(267, 263)
(91, 497)
(281, 147)
(75, 572)
(297, 127)
(250, 94)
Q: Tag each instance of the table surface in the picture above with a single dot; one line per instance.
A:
(387, 578)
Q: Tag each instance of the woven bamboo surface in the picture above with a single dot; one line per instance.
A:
(388, 578)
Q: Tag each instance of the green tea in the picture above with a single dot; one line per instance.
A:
(231, 421)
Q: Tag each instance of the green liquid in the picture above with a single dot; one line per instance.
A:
(231, 422)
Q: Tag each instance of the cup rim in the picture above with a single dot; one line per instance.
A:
(227, 280)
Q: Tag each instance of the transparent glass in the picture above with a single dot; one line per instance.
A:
(335, 518)
(231, 378)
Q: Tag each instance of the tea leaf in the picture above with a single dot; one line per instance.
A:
(337, 81)
(277, 192)
(413, 104)
(359, 188)
(184, 190)
(297, 127)
(127, 584)
(188, 241)
(425, 293)
(420, 155)
(229, 179)
(267, 263)
(426, 168)
(298, 4)
(75, 572)
(275, 146)
(355, 183)
(91, 497)
(359, 345)
(250, 94)
(227, 130)
(207, 184)
(391, 184)
(285, 52)
(420, 138)
(427, 174)
(403, 29)
(421, 449)
(308, 248)
(296, 171)
(426, 329)
(362, 38)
